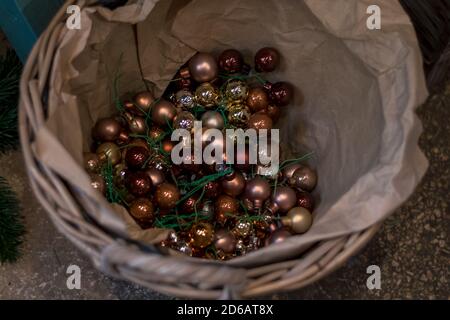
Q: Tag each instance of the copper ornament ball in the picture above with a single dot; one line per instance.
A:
(107, 129)
(201, 235)
(136, 157)
(289, 170)
(163, 113)
(203, 67)
(231, 61)
(98, 183)
(213, 120)
(109, 152)
(142, 210)
(283, 199)
(272, 111)
(224, 240)
(305, 200)
(224, 207)
(91, 162)
(257, 99)
(136, 124)
(304, 178)
(234, 185)
(212, 189)
(278, 236)
(260, 121)
(189, 205)
(167, 195)
(143, 101)
(257, 190)
(281, 93)
(156, 176)
(139, 184)
(155, 133)
(167, 145)
(267, 59)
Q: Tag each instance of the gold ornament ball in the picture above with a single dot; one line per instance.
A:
(201, 235)
(236, 90)
(238, 114)
(109, 152)
(243, 229)
(206, 95)
(184, 120)
(298, 219)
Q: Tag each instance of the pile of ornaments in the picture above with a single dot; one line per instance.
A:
(215, 211)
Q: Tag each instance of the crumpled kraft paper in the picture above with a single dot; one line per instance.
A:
(361, 88)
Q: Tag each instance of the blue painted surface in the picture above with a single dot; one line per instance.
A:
(23, 21)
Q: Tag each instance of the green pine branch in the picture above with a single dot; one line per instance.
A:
(10, 70)
(11, 225)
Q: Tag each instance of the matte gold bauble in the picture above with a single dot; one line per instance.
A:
(298, 219)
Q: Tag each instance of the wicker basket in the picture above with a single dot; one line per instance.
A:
(193, 278)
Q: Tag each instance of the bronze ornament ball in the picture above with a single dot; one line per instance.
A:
(107, 130)
(167, 195)
(203, 67)
(163, 113)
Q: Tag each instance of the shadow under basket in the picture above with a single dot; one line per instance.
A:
(72, 211)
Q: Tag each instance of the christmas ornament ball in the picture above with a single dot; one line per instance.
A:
(201, 235)
(203, 67)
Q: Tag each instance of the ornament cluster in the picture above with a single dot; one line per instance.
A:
(215, 211)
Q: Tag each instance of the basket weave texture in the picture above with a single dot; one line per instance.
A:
(183, 277)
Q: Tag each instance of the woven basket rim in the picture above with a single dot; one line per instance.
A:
(166, 274)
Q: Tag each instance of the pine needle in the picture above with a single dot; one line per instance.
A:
(10, 70)
(11, 224)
